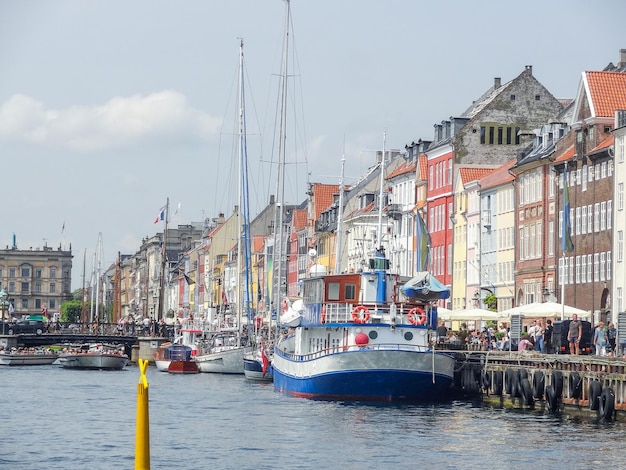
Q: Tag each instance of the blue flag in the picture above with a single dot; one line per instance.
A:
(422, 252)
(566, 234)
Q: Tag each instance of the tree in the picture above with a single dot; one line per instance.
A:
(491, 301)
(70, 311)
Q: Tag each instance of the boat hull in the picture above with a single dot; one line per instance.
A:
(367, 375)
(227, 361)
(183, 367)
(27, 359)
(253, 369)
(94, 361)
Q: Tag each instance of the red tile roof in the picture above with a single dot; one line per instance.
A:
(423, 170)
(402, 169)
(607, 142)
(473, 173)
(299, 219)
(566, 155)
(607, 92)
(498, 176)
(323, 197)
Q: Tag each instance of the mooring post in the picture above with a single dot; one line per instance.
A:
(142, 437)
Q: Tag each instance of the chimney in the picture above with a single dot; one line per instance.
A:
(271, 199)
(622, 58)
(529, 69)
(497, 83)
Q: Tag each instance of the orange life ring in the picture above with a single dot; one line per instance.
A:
(417, 316)
(323, 313)
(360, 314)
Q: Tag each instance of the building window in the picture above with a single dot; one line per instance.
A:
(620, 246)
(53, 287)
(52, 303)
(25, 286)
(12, 272)
(25, 272)
(53, 273)
(37, 304)
(11, 286)
(38, 286)
(38, 273)
(512, 97)
(620, 197)
(25, 304)
(537, 97)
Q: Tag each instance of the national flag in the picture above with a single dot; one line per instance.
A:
(566, 234)
(161, 215)
(266, 361)
(422, 252)
(224, 298)
(177, 209)
(63, 228)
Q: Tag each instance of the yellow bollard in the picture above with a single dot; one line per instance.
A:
(142, 437)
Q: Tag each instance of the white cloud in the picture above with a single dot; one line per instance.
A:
(121, 122)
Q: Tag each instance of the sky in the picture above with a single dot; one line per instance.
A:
(110, 107)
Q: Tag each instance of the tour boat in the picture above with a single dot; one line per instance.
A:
(97, 357)
(20, 357)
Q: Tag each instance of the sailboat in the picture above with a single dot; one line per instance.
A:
(357, 336)
(224, 353)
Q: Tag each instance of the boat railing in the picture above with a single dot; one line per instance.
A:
(342, 312)
(355, 348)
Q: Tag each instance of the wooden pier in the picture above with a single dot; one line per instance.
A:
(593, 383)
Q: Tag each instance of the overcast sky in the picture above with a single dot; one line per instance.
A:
(109, 107)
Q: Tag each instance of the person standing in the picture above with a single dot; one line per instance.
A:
(611, 335)
(547, 336)
(539, 332)
(599, 340)
(574, 333)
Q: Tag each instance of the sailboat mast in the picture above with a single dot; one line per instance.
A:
(243, 239)
(340, 217)
(159, 310)
(278, 229)
(83, 315)
(381, 195)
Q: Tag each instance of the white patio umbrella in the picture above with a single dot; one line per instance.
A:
(546, 310)
(470, 314)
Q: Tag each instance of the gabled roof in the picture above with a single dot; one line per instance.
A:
(468, 174)
(299, 219)
(258, 243)
(404, 168)
(498, 176)
(566, 155)
(423, 167)
(606, 143)
(323, 197)
(606, 92)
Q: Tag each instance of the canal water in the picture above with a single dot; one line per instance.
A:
(54, 418)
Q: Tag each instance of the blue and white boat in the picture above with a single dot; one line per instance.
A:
(358, 337)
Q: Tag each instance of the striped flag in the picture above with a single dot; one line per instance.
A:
(161, 215)
(422, 253)
(566, 236)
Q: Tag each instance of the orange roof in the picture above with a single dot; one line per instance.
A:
(607, 92)
(299, 219)
(566, 155)
(498, 176)
(473, 173)
(607, 142)
(423, 170)
(323, 197)
(402, 169)
(257, 243)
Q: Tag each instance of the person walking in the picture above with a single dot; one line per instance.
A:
(599, 340)
(574, 333)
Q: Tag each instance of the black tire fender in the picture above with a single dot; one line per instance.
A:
(575, 385)
(508, 381)
(557, 382)
(497, 382)
(526, 392)
(552, 399)
(539, 384)
(595, 389)
(606, 404)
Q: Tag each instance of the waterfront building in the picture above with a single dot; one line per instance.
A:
(619, 215)
(487, 133)
(36, 281)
